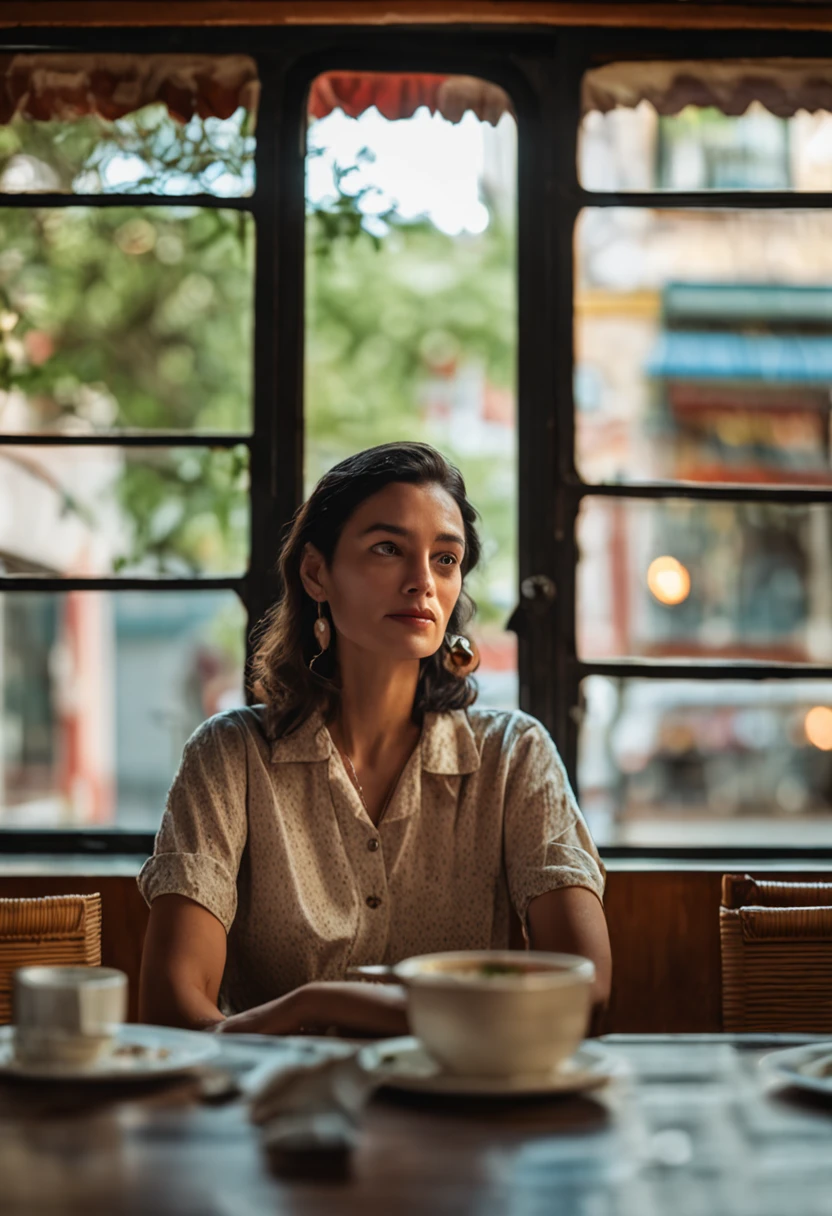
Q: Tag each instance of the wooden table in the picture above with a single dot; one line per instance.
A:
(690, 1132)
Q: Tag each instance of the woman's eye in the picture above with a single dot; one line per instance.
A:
(385, 547)
(447, 559)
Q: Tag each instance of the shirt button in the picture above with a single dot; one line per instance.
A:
(373, 901)
(372, 845)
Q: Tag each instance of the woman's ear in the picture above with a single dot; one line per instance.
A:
(313, 572)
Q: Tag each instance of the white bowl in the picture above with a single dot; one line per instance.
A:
(527, 1018)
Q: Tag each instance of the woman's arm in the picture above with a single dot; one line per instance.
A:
(344, 1007)
(571, 920)
(182, 965)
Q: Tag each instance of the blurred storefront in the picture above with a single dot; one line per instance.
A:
(704, 355)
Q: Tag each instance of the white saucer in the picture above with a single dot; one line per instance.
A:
(808, 1066)
(404, 1064)
(141, 1053)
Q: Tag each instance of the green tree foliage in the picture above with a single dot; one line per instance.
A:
(142, 318)
(147, 152)
(389, 320)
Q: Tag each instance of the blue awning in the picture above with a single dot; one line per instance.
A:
(767, 358)
(738, 303)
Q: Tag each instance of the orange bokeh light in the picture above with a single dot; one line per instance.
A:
(818, 727)
(668, 580)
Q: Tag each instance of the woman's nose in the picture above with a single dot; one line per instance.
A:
(420, 577)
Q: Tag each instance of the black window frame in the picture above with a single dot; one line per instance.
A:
(542, 70)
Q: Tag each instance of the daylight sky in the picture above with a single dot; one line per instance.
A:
(424, 164)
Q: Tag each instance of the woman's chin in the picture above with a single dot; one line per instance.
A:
(389, 641)
(413, 653)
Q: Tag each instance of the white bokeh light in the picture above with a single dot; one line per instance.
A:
(424, 166)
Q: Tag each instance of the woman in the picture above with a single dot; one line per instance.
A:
(364, 812)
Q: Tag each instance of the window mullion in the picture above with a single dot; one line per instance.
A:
(119, 439)
(43, 201)
(562, 210)
(276, 455)
(28, 582)
(700, 669)
(704, 491)
(700, 200)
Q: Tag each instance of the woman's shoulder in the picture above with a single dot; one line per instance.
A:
(230, 729)
(506, 739)
(502, 725)
(467, 740)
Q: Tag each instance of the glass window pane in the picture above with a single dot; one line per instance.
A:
(111, 510)
(704, 579)
(703, 346)
(411, 320)
(147, 152)
(634, 147)
(117, 318)
(703, 762)
(100, 693)
(125, 123)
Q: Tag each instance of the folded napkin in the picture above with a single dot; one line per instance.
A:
(820, 1066)
(309, 1110)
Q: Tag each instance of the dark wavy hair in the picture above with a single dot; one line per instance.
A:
(284, 640)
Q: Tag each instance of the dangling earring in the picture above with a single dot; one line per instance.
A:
(462, 657)
(323, 635)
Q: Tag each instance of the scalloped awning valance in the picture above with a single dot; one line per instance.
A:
(400, 95)
(65, 86)
(62, 87)
(783, 86)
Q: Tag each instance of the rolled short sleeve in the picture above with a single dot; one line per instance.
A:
(204, 826)
(547, 842)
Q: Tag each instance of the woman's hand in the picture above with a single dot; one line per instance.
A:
(346, 1008)
(280, 1016)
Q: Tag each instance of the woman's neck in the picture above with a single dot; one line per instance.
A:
(375, 711)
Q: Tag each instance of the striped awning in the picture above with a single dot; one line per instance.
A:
(765, 358)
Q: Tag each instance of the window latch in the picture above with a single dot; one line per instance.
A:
(539, 590)
(537, 593)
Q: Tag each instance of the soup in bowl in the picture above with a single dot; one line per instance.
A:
(498, 1012)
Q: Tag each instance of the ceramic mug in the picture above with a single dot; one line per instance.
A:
(67, 1015)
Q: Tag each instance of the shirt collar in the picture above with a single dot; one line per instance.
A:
(447, 744)
(310, 741)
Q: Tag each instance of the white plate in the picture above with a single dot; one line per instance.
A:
(142, 1052)
(404, 1064)
(809, 1066)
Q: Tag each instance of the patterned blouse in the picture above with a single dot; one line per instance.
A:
(272, 838)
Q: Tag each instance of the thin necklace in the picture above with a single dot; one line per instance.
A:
(357, 784)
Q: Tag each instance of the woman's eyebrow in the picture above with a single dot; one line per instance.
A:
(447, 537)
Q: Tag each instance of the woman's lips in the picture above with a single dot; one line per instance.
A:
(419, 622)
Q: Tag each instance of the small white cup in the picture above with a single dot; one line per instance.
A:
(67, 1015)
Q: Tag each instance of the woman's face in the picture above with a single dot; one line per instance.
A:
(396, 572)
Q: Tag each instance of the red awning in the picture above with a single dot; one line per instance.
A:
(400, 95)
(51, 86)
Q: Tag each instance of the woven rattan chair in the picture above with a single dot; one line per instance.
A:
(58, 930)
(776, 940)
